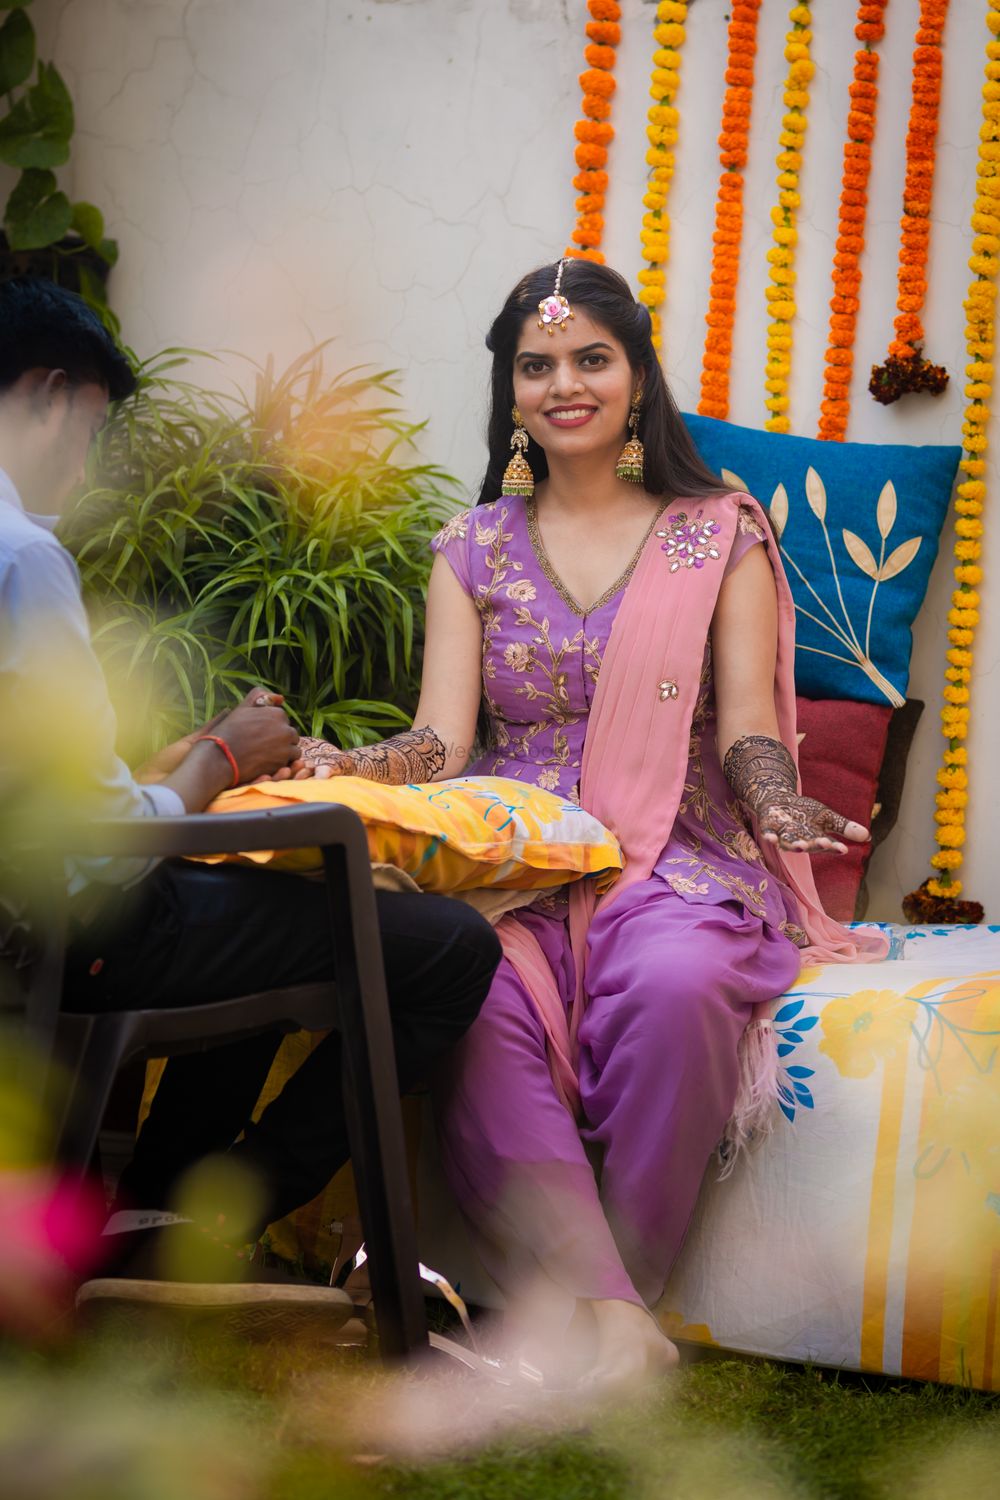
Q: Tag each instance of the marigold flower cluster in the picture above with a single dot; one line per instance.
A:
(781, 257)
(728, 235)
(661, 132)
(839, 361)
(980, 326)
(594, 133)
(905, 368)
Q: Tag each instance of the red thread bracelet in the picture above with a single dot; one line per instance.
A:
(215, 740)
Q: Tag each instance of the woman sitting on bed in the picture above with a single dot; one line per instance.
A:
(625, 626)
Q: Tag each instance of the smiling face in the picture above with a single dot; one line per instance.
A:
(573, 388)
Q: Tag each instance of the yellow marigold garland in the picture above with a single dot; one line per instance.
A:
(781, 257)
(661, 131)
(734, 140)
(594, 133)
(936, 900)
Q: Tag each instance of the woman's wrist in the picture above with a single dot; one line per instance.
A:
(760, 771)
(416, 755)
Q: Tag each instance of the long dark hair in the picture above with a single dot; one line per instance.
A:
(673, 466)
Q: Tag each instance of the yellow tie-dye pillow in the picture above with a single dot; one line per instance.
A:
(457, 835)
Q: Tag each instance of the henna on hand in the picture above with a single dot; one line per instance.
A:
(414, 756)
(762, 773)
(313, 753)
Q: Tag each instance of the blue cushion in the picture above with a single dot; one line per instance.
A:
(865, 521)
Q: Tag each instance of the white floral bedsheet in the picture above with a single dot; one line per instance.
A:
(864, 1232)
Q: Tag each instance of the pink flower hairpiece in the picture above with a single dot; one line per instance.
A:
(554, 311)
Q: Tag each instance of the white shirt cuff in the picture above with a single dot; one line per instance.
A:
(165, 802)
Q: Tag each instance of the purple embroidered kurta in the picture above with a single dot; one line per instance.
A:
(674, 968)
(541, 660)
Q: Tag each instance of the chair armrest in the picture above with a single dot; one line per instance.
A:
(214, 833)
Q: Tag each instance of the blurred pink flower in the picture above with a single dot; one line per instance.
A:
(50, 1237)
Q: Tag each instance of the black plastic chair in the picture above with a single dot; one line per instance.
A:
(93, 1047)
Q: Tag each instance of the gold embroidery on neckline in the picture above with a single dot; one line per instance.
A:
(542, 558)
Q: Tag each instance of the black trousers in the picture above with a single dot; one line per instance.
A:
(188, 934)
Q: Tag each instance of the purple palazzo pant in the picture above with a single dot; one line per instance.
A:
(671, 985)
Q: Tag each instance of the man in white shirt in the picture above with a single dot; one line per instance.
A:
(175, 933)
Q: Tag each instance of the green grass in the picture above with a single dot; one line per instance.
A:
(743, 1429)
(209, 1422)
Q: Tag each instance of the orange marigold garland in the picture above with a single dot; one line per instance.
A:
(905, 368)
(937, 899)
(844, 304)
(661, 132)
(594, 133)
(781, 257)
(733, 140)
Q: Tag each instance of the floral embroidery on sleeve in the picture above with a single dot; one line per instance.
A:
(749, 524)
(455, 529)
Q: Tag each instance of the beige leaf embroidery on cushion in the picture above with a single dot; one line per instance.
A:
(885, 511)
(816, 494)
(900, 559)
(860, 553)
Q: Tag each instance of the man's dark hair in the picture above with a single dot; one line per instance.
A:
(45, 327)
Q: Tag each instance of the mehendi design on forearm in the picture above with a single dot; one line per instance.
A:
(762, 773)
(414, 756)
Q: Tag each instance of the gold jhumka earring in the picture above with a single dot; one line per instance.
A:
(517, 477)
(630, 460)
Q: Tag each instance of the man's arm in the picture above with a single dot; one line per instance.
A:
(58, 734)
(57, 725)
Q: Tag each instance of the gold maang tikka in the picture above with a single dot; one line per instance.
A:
(554, 311)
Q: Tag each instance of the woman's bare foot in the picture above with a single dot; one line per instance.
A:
(631, 1350)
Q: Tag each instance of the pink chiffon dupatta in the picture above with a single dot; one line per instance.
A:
(634, 764)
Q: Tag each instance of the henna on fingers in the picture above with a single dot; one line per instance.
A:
(762, 773)
(414, 756)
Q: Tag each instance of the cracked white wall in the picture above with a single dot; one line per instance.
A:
(381, 171)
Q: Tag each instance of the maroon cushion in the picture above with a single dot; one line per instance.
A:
(841, 750)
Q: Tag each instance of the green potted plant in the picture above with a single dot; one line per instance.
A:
(280, 536)
(43, 232)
